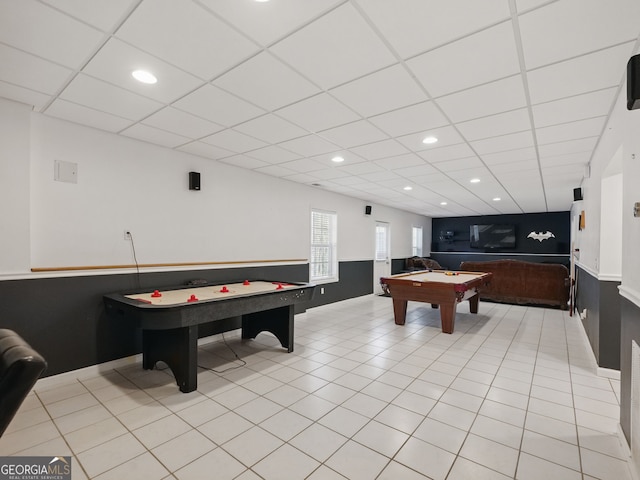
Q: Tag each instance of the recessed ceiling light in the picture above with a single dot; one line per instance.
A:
(408, 188)
(144, 76)
(475, 180)
(336, 159)
(497, 199)
(429, 140)
(443, 203)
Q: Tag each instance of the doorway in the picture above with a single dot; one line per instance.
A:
(382, 260)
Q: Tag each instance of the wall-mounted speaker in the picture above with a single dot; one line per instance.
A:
(194, 181)
(577, 194)
(633, 83)
(367, 210)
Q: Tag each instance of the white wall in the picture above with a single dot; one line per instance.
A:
(14, 187)
(124, 184)
(611, 229)
(631, 194)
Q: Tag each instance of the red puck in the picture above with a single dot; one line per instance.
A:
(156, 294)
(192, 298)
(246, 282)
(224, 289)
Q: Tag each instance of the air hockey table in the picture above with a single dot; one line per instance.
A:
(169, 318)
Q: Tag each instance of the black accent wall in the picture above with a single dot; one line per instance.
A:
(630, 330)
(450, 252)
(601, 300)
(64, 319)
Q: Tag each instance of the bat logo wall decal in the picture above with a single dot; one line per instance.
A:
(541, 236)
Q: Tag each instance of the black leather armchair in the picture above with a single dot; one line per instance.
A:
(20, 368)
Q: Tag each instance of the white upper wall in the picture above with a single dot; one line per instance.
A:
(124, 184)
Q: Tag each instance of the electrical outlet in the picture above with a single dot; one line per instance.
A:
(321, 290)
(127, 235)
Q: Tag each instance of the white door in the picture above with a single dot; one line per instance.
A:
(382, 261)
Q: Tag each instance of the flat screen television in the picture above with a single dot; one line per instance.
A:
(492, 236)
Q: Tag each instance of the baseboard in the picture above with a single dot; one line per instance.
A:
(609, 373)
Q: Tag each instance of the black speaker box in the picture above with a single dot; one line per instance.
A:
(367, 210)
(577, 194)
(194, 181)
(633, 83)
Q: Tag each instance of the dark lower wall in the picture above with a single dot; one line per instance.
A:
(630, 330)
(601, 300)
(64, 319)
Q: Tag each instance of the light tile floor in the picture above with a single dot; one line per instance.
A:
(512, 393)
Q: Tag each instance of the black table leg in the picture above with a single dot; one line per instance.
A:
(278, 321)
(178, 348)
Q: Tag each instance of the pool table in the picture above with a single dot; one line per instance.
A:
(439, 288)
(169, 318)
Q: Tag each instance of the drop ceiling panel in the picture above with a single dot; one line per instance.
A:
(495, 125)
(273, 154)
(309, 145)
(495, 97)
(415, 118)
(73, 112)
(275, 171)
(267, 22)
(510, 156)
(102, 14)
(354, 134)
(271, 129)
(512, 141)
(318, 113)
(415, 28)
(186, 35)
(571, 146)
(593, 23)
(578, 107)
(304, 165)
(400, 161)
(443, 154)
(339, 47)
(29, 71)
(453, 166)
(376, 150)
(244, 161)
(363, 94)
(446, 136)
(490, 54)
(595, 71)
(155, 135)
(38, 29)
(116, 61)
(266, 82)
(108, 98)
(205, 150)
(591, 127)
(24, 95)
(182, 123)
(234, 141)
(217, 106)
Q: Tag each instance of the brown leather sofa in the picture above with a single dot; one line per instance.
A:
(515, 281)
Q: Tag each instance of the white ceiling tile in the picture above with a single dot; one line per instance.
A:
(304, 165)
(275, 171)
(29, 71)
(400, 161)
(515, 156)
(206, 150)
(361, 168)
(266, 82)
(376, 150)
(234, 141)
(353, 134)
(309, 145)
(490, 54)
(602, 69)
(300, 178)
(155, 136)
(23, 95)
(514, 166)
(568, 159)
(380, 176)
(244, 161)
(329, 174)
(363, 94)
(182, 123)
(220, 107)
(317, 113)
(339, 47)
(425, 170)
(445, 135)
(116, 61)
(421, 25)
(38, 29)
(416, 118)
(495, 125)
(273, 154)
(186, 35)
(565, 110)
(102, 14)
(271, 129)
(524, 5)
(591, 127)
(460, 164)
(108, 98)
(87, 116)
(267, 22)
(512, 141)
(443, 154)
(495, 97)
(571, 146)
(592, 24)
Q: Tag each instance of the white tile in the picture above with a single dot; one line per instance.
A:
(253, 445)
(441, 435)
(497, 431)
(534, 468)
(225, 427)
(464, 469)
(550, 449)
(319, 442)
(425, 458)
(160, 431)
(381, 438)
(357, 462)
(490, 454)
(110, 454)
(226, 467)
(145, 465)
(296, 464)
(183, 449)
(343, 421)
(286, 424)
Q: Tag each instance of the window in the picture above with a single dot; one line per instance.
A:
(323, 264)
(416, 241)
